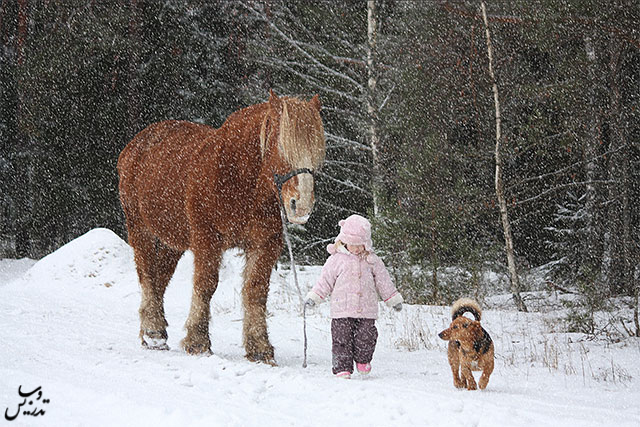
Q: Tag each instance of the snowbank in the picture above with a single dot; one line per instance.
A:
(98, 257)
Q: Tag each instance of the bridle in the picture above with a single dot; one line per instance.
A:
(279, 180)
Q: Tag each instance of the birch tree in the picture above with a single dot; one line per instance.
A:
(372, 110)
(591, 166)
(504, 216)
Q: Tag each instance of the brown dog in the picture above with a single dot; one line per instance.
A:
(470, 346)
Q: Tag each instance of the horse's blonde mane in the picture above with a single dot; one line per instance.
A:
(301, 138)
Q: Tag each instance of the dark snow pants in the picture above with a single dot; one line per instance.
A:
(353, 340)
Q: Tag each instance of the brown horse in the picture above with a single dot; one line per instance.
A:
(189, 186)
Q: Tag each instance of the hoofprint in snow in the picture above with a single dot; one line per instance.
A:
(69, 325)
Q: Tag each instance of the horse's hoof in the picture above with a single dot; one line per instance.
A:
(158, 346)
(197, 349)
(262, 358)
(155, 340)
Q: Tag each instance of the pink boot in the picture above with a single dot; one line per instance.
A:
(344, 375)
(363, 368)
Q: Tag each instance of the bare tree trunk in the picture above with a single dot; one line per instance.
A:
(372, 110)
(617, 234)
(506, 225)
(434, 260)
(626, 245)
(636, 303)
(2, 12)
(627, 242)
(591, 242)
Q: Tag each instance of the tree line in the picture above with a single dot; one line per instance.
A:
(409, 117)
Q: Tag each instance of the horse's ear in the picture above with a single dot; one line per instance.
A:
(274, 101)
(315, 102)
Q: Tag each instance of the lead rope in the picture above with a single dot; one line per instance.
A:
(295, 280)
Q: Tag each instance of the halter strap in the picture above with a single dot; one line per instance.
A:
(279, 180)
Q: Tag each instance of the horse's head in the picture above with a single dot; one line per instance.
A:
(292, 142)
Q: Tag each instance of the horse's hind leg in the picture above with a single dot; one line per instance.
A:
(155, 263)
(257, 272)
(205, 281)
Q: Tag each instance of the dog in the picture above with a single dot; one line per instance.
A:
(470, 346)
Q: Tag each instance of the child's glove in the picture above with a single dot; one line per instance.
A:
(398, 307)
(309, 303)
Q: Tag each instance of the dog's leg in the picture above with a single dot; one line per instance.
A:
(484, 380)
(454, 362)
(462, 382)
(468, 375)
(486, 373)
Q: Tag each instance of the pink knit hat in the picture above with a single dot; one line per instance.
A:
(355, 230)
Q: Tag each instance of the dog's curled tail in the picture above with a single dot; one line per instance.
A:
(466, 305)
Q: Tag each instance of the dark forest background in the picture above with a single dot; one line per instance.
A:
(78, 79)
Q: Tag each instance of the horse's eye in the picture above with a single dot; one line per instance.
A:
(455, 327)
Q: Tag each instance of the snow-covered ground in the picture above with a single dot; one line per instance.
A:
(69, 325)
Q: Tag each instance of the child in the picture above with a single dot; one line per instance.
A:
(354, 277)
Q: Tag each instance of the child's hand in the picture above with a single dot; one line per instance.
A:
(398, 307)
(309, 303)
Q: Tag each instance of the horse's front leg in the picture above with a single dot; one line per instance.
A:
(257, 272)
(205, 282)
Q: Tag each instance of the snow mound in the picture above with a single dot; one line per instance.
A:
(101, 258)
(98, 257)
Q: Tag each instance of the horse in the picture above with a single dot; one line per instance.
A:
(188, 186)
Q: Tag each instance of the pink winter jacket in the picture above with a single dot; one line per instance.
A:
(354, 284)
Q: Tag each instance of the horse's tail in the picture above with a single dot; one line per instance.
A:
(466, 305)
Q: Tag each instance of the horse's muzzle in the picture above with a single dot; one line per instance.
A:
(299, 219)
(299, 213)
(297, 197)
